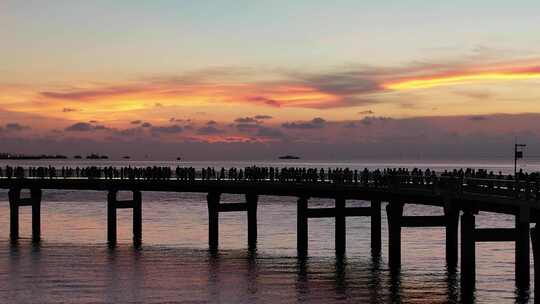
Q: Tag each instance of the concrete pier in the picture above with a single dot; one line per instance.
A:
(396, 221)
(35, 196)
(252, 201)
(34, 201)
(14, 195)
(468, 254)
(394, 212)
(113, 204)
(519, 235)
(340, 227)
(111, 217)
(302, 226)
(213, 220)
(339, 212)
(535, 238)
(376, 227)
(137, 217)
(215, 207)
(452, 224)
(455, 194)
(522, 266)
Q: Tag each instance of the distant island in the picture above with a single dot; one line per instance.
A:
(24, 156)
(289, 157)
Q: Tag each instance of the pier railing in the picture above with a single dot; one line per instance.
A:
(457, 182)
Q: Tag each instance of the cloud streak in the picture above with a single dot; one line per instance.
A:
(351, 86)
(89, 94)
(437, 80)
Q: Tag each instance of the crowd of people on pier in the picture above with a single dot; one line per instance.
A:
(256, 173)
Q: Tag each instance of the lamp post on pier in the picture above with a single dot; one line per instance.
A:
(518, 153)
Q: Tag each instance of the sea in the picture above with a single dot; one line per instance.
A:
(73, 264)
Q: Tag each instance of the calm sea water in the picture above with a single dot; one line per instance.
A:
(74, 265)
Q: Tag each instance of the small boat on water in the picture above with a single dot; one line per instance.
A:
(289, 157)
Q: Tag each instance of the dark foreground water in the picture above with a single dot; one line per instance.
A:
(74, 265)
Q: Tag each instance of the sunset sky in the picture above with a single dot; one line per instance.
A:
(256, 79)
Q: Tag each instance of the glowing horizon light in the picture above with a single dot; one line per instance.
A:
(426, 83)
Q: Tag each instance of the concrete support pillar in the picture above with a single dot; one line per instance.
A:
(375, 227)
(468, 255)
(394, 212)
(35, 196)
(522, 270)
(340, 227)
(15, 202)
(251, 201)
(111, 217)
(535, 238)
(14, 196)
(302, 227)
(213, 220)
(137, 217)
(452, 222)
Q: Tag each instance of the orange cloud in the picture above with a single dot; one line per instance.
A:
(286, 96)
(270, 94)
(462, 78)
(144, 96)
